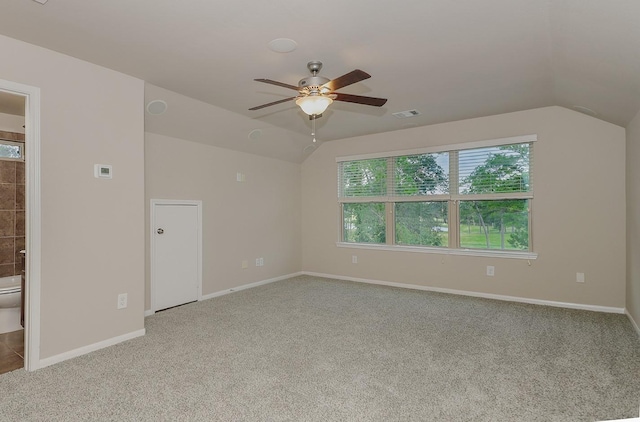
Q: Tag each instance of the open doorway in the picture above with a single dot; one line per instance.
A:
(20, 127)
(12, 230)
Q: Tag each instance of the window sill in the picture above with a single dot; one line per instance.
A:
(441, 251)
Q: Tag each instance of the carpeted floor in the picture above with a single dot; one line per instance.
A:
(310, 349)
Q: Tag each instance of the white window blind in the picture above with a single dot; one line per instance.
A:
(420, 174)
(501, 169)
(362, 178)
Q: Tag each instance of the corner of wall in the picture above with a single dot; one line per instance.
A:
(633, 226)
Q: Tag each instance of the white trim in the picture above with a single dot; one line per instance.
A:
(568, 305)
(149, 312)
(633, 322)
(442, 251)
(33, 219)
(152, 220)
(250, 285)
(90, 348)
(444, 148)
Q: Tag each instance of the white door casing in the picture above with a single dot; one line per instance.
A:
(33, 219)
(176, 252)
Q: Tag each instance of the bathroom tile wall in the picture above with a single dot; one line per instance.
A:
(12, 211)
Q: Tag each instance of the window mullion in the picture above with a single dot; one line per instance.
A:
(389, 205)
(453, 172)
(454, 211)
(529, 228)
(391, 226)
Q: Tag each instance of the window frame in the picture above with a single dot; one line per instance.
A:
(18, 144)
(453, 199)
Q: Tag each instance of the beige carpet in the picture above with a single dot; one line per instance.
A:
(310, 349)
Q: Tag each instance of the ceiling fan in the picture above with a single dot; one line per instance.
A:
(316, 93)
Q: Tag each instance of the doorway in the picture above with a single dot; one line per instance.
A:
(176, 253)
(29, 98)
(12, 230)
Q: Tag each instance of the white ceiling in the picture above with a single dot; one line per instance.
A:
(450, 60)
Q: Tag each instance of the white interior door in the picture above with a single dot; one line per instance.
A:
(176, 239)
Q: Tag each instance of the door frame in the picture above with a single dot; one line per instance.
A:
(152, 243)
(33, 219)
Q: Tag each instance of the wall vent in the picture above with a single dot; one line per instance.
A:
(408, 113)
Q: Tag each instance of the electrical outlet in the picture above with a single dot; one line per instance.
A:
(244, 264)
(579, 277)
(259, 262)
(354, 259)
(491, 270)
(122, 300)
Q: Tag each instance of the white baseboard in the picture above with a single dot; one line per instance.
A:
(633, 322)
(88, 349)
(596, 308)
(237, 289)
(250, 285)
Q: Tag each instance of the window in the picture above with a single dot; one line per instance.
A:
(422, 223)
(464, 198)
(11, 150)
(364, 222)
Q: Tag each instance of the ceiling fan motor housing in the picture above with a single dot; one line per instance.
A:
(313, 81)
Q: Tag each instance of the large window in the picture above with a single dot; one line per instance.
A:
(464, 198)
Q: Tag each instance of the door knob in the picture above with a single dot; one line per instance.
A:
(160, 231)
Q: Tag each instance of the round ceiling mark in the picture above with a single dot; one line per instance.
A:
(255, 134)
(283, 45)
(156, 107)
(585, 110)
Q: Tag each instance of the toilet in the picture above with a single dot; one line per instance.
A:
(10, 298)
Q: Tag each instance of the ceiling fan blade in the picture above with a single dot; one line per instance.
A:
(272, 103)
(359, 99)
(347, 79)
(282, 84)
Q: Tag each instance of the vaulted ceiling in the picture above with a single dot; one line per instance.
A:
(449, 60)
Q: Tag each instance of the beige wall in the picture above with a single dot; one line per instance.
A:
(259, 217)
(92, 230)
(578, 216)
(633, 219)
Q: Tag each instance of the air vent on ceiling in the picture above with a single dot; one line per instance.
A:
(408, 113)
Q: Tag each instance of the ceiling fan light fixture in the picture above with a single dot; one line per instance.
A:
(314, 104)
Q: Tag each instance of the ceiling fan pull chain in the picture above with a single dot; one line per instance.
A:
(313, 127)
